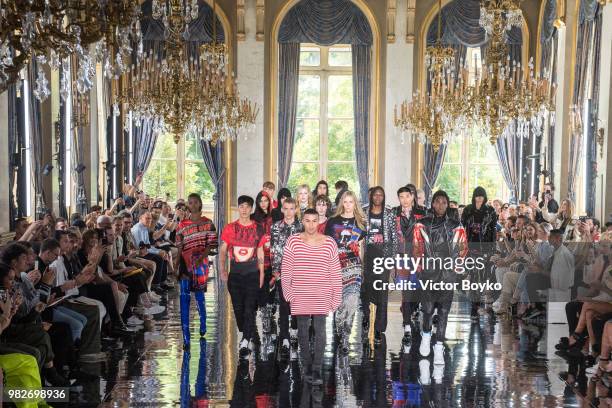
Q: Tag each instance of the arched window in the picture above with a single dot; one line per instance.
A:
(177, 170)
(325, 130)
(471, 162)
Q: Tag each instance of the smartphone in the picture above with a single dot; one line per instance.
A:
(3, 294)
(36, 265)
(583, 218)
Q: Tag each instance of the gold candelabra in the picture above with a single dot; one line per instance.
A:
(187, 92)
(434, 117)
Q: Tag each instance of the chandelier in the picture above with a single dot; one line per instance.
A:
(53, 30)
(504, 91)
(434, 117)
(182, 91)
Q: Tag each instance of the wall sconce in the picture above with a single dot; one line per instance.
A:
(600, 140)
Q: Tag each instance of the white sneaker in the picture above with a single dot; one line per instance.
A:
(134, 321)
(425, 377)
(154, 297)
(438, 373)
(154, 309)
(438, 353)
(425, 347)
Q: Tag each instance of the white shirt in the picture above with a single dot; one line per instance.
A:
(562, 269)
(61, 275)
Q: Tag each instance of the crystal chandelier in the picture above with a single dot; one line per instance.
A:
(53, 30)
(504, 91)
(436, 116)
(182, 92)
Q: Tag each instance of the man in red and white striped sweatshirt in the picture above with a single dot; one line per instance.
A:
(312, 284)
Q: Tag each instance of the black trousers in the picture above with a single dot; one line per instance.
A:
(64, 351)
(572, 311)
(244, 289)
(284, 311)
(32, 334)
(161, 268)
(103, 293)
(368, 292)
(90, 337)
(535, 282)
(20, 348)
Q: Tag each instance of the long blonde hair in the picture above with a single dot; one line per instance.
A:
(297, 197)
(569, 209)
(358, 212)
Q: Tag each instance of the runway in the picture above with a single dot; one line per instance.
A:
(489, 364)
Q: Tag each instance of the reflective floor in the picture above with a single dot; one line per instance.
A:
(489, 364)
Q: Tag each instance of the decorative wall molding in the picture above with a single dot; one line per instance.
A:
(391, 15)
(411, 9)
(240, 25)
(259, 19)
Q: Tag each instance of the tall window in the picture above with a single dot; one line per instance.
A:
(325, 133)
(471, 162)
(177, 170)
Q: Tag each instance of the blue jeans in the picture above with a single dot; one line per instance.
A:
(75, 320)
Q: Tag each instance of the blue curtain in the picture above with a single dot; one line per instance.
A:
(507, 149)
(325, 22)
(144, 138)
(432, 167)
(588, 44)
(40, 203)
(213, 159)
(362, 63)
(288, 78)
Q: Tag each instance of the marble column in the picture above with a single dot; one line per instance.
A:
(250, 71)
(399, 86)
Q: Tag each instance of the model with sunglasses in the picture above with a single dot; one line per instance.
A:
(195, 237)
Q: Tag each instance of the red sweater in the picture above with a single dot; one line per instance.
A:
(312, 281)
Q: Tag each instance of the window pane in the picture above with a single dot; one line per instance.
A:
(310, 56)
(341, 139)
(306, 140)
(481, 150)
(197, 180)
(303, 173)
(340, 57)
(309, 101)
(192, 148)
(453, 152)
(489, 177)
(450, 181)
(160, 179)
(165, 148)
(343, 171)
(340, 96)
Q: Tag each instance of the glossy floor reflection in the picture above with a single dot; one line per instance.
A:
(489, 364)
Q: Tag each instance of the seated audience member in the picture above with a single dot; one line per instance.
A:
(102, 288)
(141, 235)
(27, 326)
(558, 275)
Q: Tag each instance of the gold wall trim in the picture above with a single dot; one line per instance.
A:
(375, 99)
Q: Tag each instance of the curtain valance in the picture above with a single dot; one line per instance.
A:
(325, 22)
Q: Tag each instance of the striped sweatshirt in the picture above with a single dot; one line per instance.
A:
(312, 281)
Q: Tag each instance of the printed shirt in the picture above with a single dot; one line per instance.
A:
(375, 229)
(195, 237)
(347, 235)
(242, 241)
(279, 234)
